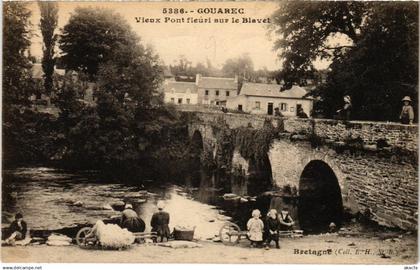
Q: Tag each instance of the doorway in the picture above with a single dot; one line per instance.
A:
(270, 108)
(298, 107)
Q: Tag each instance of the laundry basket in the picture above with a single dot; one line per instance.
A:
(182, 233)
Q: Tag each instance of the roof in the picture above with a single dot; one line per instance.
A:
(38, 73)
(217, 82)
(271, 90)
(180, 87)
(59, 71)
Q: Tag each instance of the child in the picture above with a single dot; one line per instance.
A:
(407, 113)
(272, 228)
(286, 221)
(255, 228)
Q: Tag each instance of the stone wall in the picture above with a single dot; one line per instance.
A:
(380, 176)
(394, 134)
(234, 120)
(370, 181)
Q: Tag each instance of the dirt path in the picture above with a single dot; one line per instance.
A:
(350, 250)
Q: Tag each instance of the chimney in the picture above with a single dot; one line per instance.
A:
(197, 78)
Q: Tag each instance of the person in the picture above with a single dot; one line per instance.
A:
(17, 229)
(272, 227)
(407, 113)
(332, 227)
(111, 235)
(277, 112)
(160, 222)
(131, 221)
(286, 221)
(255, 228)
(344, 113)
(301, 113)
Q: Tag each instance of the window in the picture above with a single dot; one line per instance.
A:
(257, 105)
(292, 109)
(207, 92)
(217, 92)
(283, 107)
(179, 100)
(239, 107)
(172, 100)
(188, 101)
(227, 93)
(217, 102)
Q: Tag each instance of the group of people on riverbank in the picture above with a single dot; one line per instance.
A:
(129, 222)
(264, 232)
(259, 232)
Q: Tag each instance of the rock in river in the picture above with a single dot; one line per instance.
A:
(78, 203)
(230, 196)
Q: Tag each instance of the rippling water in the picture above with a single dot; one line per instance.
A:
(52, 199)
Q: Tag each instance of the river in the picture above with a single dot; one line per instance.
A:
(53, 199)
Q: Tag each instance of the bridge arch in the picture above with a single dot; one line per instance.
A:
(288, 161)
(320, 200)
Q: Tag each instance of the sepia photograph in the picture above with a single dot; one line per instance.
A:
(257, 132)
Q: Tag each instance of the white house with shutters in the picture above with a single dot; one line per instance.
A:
(180, 93)
(261, 98)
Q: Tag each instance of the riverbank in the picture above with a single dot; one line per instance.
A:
(344, 250)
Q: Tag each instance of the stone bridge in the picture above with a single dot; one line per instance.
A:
(332, 167)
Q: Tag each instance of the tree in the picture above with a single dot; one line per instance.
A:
(185, 71)
(48, 24)
(182, 69)
(381, 69)
(16, 66)
(117, 132)
(304, 29)
(90, 38)
(377, 68)
(240, 66)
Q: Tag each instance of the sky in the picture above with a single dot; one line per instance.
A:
(198, 42)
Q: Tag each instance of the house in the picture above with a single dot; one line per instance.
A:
(261, 98)
(215, 90)
(42, 101)
(38, 77)
(180, 92)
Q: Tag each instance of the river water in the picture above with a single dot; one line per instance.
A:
(52, 199)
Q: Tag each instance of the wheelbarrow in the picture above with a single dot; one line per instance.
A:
(86, 241)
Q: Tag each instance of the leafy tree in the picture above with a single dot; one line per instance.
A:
(115, 134)
(240, 66)
(185, 71)
(377, 67)
(306, 27)
(48, 24)
(381, 69)
(90, 38)
(16, 41)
